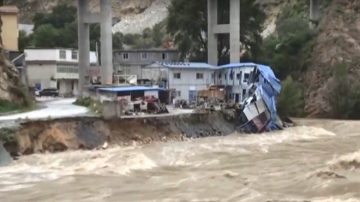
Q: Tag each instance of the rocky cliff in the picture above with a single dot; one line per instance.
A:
(10, 85)
(338, 41)
(133, 15)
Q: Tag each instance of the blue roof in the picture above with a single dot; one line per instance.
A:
(187, 65)
(130, 89)
(234, 65)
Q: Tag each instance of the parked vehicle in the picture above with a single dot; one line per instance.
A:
(49, 92)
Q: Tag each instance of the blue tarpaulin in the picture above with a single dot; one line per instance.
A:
(269, 87)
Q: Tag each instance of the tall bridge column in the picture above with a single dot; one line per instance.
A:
(314, 12)
(212, 38)
(106, 42)
(85, 18)
(234, 31)
(83, 43)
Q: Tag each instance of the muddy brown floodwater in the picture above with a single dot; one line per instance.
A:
(316, 161)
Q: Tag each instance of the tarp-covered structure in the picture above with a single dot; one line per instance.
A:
(259, 112)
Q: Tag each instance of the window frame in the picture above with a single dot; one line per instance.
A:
(125, 56)
(199, 76)
(62, 54)
(177, 75)
(74, 53)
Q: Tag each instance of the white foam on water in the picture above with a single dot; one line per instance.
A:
(46, 167)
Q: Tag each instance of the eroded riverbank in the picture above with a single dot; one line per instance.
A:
(93, 132)
(316, 161)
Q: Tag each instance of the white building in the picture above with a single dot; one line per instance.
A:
(54, 68)
(235, 79)
(185, 78)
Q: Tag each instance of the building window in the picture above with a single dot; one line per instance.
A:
(74, 55)
(125, 56)
(238, 76)
(231, 75)
(212, 75)
(62, 54)
(178, 93)
(177, 76)
(164, 56)
(246, 77)
(199, 75)
(67, 69)
(143, 56)
(219, 75)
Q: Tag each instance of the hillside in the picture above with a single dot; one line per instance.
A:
(134, 15)
(338, 42)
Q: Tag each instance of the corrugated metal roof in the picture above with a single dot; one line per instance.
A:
(129, 88)
(187, 65)
(235, 65)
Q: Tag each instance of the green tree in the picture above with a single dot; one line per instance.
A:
(24, 40)
(187, 23)
(157, 35)
(251, 23)
(291, 99)
(284, 50)
(46, 36)
(118, 40)
(344, 96)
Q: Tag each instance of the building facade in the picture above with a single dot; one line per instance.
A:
(234, 77)
(54, 68)
(184, 78)
(9, 27)
(131, 62)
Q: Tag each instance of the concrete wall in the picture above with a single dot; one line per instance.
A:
(54, 55)
(135, 57)
(68, 87)
(188, 81)
(10, 31)
(41, 74)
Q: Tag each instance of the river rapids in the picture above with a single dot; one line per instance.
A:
(319, 160)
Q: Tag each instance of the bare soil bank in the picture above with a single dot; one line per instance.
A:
(91, 133)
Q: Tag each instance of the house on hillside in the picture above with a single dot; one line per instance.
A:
(57, 68)
(9, 27)
(185, 78)
(131, 62)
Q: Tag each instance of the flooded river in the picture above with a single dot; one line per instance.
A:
(317, 161)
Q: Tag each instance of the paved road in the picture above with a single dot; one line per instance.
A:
(54, 108)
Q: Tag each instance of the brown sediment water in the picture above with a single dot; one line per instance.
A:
(318, 160)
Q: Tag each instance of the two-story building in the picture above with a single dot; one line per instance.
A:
(9, 27)
(55, 68)
(185, 78)
(235, 78)
(131, 62)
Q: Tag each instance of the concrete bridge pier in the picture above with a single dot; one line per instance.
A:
(85, 18)
(214, 29)
(314, 13)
